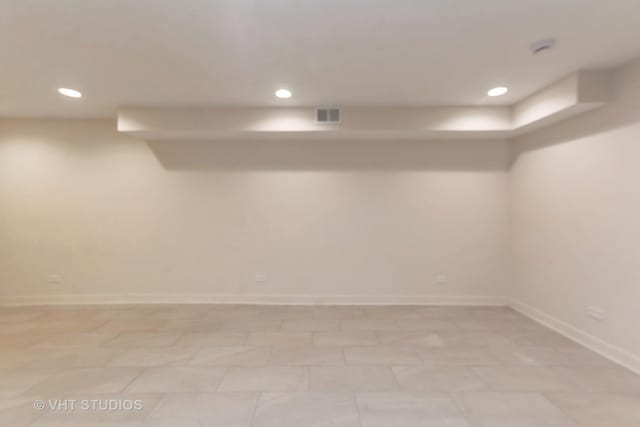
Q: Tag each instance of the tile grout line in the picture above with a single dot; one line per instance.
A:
(255, 408)
(355, 402)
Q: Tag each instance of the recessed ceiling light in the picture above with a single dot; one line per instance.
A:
(498, 91)
(283, 93)
(71, 93)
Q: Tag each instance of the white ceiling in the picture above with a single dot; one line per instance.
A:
(338, 52)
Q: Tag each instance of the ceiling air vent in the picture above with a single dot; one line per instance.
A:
(328, 115)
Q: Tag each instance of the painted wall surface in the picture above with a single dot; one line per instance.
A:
(352, 221)
(555, 226)
(575, 204)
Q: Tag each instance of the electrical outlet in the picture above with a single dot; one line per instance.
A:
(260, 278)
(441, 279)
(54, 279)
(596, 313)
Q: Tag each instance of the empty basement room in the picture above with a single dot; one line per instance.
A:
(303, 213)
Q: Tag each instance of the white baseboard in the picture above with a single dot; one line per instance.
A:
(605, 349)
(285, 299)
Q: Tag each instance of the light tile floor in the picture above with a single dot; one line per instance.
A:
(266, 366)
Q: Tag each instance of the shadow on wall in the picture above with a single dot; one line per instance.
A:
(623, 112)
(591, 124)
(332, 155)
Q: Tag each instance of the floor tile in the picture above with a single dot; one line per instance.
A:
(68, 339)
(20, 340)
(85, 380)
(420, 378)
(143, 339)
(345, 338)
(409, 410)
(490, 324)
(311, 325)
(542, 338)
(21, 314)
(188, 325)
(492, 409)
(231, 356)
(99, 410)
(176, 379)
(279, 338)
(338, 312)
(16, 381)
(379, 355)
(65, 326)
(148, 357)
(352, 378)
(68, 358)
(306, 356)
(369, 325)
(130, 325)
(266, 379)
(529, 356)
(516, 378)
(485, 339)
(600, 409)
(14, 359)
(306, 409)
(426, 325)
(208, 365)
(17, 411)
(580, 356)
(258, 325)
(610, 379)
(212, 339)
(457, 356)
(410, 338)
(204, 410)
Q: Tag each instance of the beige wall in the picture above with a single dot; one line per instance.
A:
(575, 202)
(351, 221)
(120, 219)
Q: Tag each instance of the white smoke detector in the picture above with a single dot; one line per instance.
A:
(542, 46)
